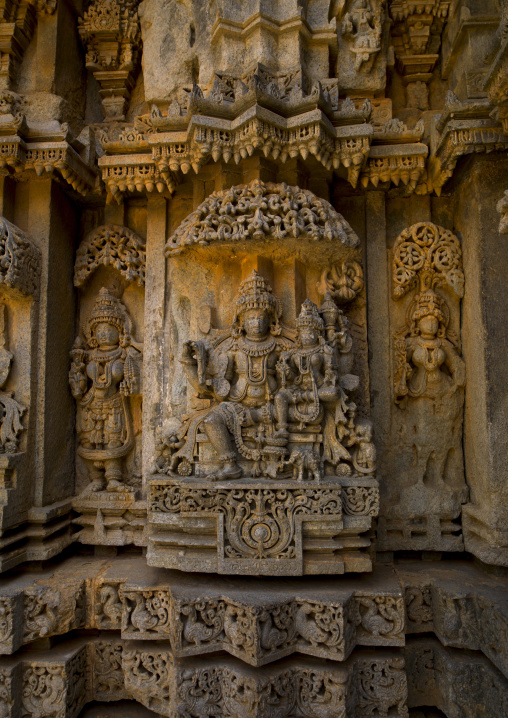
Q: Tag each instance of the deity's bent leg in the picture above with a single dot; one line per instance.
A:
(216, 429)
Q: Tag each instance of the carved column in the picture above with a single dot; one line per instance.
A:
(51, 221)
(485, 319)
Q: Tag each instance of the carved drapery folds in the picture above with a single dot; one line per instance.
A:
(110, 32)
(111, 245)
(429, 378)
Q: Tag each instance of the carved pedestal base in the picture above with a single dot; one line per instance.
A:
(46, 532)
(482, 538)
(111, 519)
(262, 527)
(419, 533)
(61, 681)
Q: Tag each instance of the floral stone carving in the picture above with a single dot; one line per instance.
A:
(111, 245)
(278, 445)
(105, 371)
(259, 210)
(19, 259)
(429, 373)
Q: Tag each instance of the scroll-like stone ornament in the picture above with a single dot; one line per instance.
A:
(111, 245)
(260, 210)
(278, 442)
(105, 371)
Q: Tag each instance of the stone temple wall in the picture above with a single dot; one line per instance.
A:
(253, 338)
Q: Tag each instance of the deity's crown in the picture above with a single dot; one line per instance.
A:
(309, 316)
(110, 309)
(429, 303)
(256, 293)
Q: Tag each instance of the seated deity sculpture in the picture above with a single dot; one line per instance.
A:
(279, 398)
(105, 370)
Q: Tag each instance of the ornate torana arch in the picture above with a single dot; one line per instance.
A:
(111, 245)
(258, 211)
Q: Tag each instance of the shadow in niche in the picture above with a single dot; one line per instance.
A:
(117, 709)
(426, 713)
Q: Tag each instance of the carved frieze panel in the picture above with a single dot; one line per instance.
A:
(456, 683)
(263, 530)
(261, 631)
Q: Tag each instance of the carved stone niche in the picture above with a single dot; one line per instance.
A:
(105, 379)
(361, 60)
(425, 462)
(266, 463)
(19, 286)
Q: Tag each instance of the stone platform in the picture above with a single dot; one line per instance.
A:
(262, 526)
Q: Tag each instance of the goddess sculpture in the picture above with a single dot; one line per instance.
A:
(105, 370)
(274, 394)
(429, 382)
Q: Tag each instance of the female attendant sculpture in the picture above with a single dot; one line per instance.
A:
(429, 382)
(105, 370)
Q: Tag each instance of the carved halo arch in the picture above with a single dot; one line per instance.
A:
(111, 245)
(260, 210)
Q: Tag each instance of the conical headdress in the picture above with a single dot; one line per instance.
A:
(110, 309)
(309, 316)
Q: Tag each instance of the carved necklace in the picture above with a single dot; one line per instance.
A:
(103, 374)
(260, 350)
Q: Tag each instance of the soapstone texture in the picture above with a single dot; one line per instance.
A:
(253, 406)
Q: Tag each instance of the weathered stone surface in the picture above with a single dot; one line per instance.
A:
(457, 683)
(253, 336)
(63, 680)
